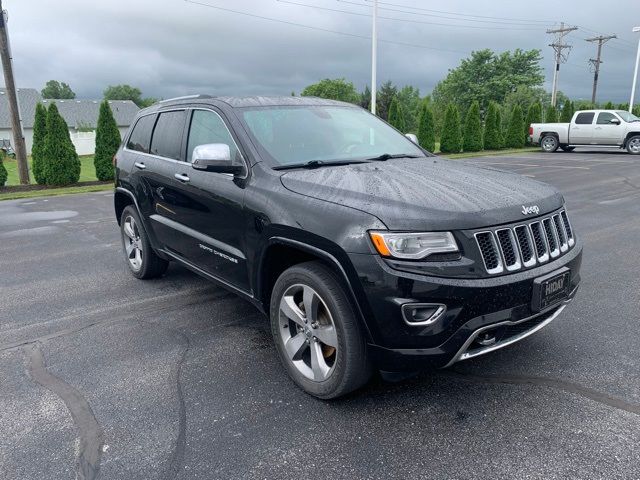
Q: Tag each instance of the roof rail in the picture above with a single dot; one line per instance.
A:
(185, 97)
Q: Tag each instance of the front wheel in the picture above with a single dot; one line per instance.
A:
(549, 143)
(633, 145)
(317, 335)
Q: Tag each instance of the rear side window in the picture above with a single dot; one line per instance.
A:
(141, 136)
(167, 136)
(605, 118)
(585, 118)
(208, 127)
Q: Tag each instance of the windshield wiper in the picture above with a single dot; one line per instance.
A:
(317, 164)
(389, 156)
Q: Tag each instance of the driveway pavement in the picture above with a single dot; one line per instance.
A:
(105, 375)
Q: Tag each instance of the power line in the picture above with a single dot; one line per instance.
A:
(527, 21)
(326, 30)
(425, 14)
(317, 7)
(601, 39)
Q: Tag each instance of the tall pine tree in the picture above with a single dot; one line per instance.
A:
(567, 112)
(451, 138)
(514, 137)
(396, 115)
(37, 149)
(551, 115)
(534, 115)
(61, 165)
(492, 128)
(426, 128)
(107, 143)
(473, 129)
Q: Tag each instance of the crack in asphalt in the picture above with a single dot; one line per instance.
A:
(89, 431)
(107, 316)
(558, 384)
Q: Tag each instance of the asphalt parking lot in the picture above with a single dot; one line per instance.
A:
(105, 375)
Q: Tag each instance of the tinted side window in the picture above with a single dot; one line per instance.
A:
(208, 127)
(605, 118)
(141, 136)
(585, 118)
(167, 136)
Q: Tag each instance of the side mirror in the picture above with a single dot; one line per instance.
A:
(614, 121)
(214, 157)
(413, 138)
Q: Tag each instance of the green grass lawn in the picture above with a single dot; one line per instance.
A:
(87, 170)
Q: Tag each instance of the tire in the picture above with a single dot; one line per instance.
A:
(633, 145)
(142, 260)
(549, 143)
(568, 149)
(328, 359)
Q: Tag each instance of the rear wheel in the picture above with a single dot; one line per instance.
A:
(317, 335)
(549, 143)
(633, 145)
(568, 149)
(142, 260)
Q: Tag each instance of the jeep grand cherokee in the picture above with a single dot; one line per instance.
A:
(365, 251)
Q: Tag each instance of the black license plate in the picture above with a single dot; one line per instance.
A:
(551, 289)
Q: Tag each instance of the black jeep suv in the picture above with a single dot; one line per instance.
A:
(365, 251)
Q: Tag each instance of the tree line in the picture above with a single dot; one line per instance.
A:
(56, 90)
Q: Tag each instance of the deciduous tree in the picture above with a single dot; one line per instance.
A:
(58, 90)
(334, 89)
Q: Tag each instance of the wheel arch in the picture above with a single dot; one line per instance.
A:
(628, 137)
(282, 253)
(122, 198)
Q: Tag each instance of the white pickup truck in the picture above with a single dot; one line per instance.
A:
(606, 128)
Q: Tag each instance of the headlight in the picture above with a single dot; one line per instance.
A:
(413, 246)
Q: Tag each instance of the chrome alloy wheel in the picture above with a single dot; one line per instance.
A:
(132, 242)
(549, 143)
(634, 145)
(308, 332)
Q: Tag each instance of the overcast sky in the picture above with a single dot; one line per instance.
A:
(172, 47)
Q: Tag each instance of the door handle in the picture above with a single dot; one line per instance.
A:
(140, 165)
(182, 177)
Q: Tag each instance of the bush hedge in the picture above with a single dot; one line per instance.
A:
(61, 165)
(3, 171)
(107, 143)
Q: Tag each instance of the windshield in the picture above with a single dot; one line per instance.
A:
(627, 117)
(296, 135)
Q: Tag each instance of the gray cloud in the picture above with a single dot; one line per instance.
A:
(171, 47)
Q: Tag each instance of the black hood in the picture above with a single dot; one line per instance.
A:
(427, 193)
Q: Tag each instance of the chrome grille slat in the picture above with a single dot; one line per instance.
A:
(521, 246)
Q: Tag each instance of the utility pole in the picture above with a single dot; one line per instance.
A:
(374, 56)
(558, 46)
(601, 39)
(12, 98)
(635, 73)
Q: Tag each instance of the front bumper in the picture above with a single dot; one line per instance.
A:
(499, 305)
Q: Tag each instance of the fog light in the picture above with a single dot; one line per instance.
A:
(416, 314)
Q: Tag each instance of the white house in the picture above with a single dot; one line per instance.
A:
(81, 117)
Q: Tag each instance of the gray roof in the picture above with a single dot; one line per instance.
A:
(84, 113)
(28, 98)
(77, 113)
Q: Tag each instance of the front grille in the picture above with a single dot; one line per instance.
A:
(526, 245)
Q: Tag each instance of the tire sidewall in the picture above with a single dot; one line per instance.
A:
(635, 137)
(555, 143)
(129, 211)
(349, 336)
